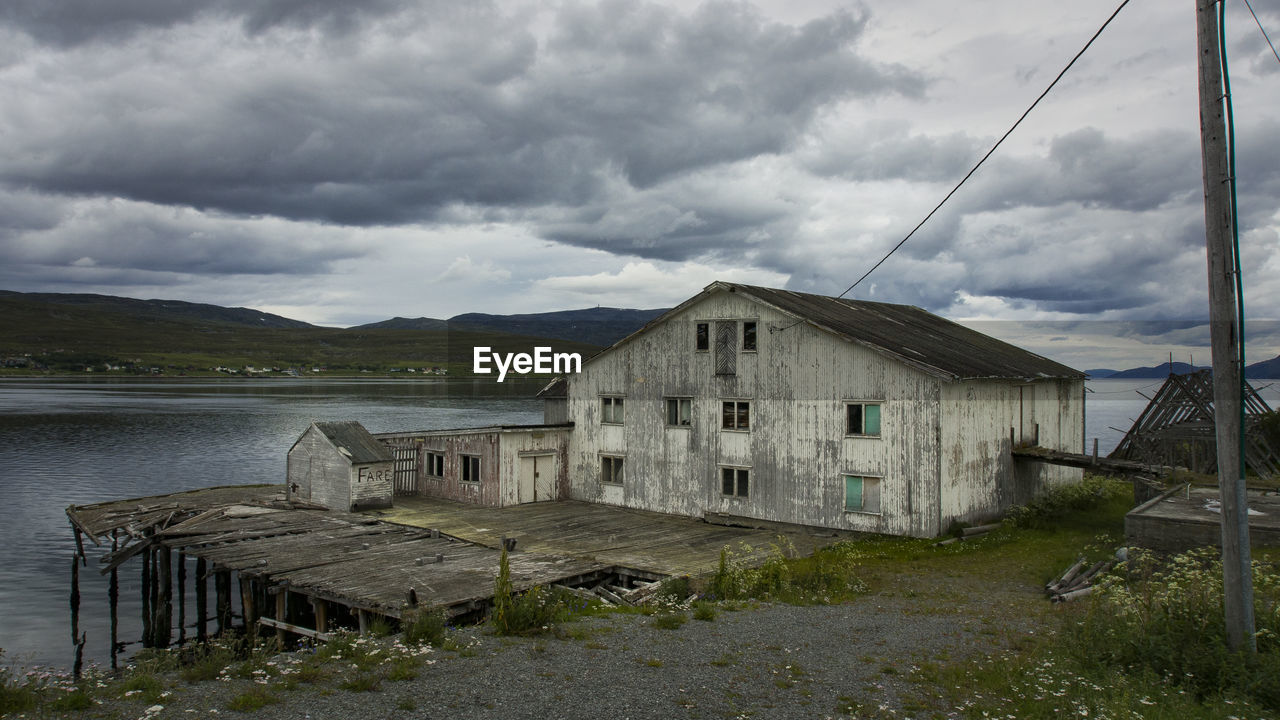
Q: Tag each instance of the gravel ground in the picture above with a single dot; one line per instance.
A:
(772, 661)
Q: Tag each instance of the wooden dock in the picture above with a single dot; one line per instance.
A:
(305, 570)
(610, 535)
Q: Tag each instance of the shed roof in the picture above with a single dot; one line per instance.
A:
(907, 333)
(353, 441)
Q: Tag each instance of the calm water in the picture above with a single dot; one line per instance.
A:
(80, 442)
(70, 441)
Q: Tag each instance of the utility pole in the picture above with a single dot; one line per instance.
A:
(1224, 334)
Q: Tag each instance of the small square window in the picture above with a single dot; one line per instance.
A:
(611, 470)
(703, 337)
(862, 419)
(861, 494)
(470, 468)
(679, 411)
(611, 410)
(435, 464)
(748, 336)
(736, 415)
(735, 482)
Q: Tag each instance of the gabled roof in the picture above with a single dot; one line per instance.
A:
(906, 333)
(353, 441)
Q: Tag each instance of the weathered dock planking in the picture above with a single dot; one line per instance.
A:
(299, 567)
(615, 536)
(304, 570)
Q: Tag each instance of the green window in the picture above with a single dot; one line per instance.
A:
(862, 419)
(861, 494)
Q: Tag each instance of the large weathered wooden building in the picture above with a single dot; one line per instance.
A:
(778, 406)
(799, 408)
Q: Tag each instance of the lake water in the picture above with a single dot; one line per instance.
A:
(73, 441)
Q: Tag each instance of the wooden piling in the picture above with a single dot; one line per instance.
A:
(182, 598)
(164, 595)
(282, 613)
(113, 599)
(322, 614)
(75, 598)
(222, 583)
(202, 601)
(146, 598)
(248, 608)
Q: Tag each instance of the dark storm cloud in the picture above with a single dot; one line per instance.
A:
(426, 111)
(74, 22)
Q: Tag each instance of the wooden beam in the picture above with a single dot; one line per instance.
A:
(282, 627)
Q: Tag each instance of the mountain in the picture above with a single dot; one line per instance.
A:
(400, 323)
(594, 326)
(1100, 373)
(1265, 369)
(1159, 371)
(161, 309)
(68, 333)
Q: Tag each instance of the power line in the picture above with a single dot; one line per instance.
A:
(1264, 30)
(989, 152)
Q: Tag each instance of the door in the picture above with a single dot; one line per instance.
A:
(537, 478)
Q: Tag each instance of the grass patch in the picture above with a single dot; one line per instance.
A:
(424, 628)
(826, 576)
(251, 700)
(362, 682)
(704, 611)
(146, 686)
(669, 620)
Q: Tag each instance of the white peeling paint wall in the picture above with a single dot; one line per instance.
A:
(797, 453)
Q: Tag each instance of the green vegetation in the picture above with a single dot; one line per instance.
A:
(424, 627)
(73, 338)
(532, 612)
(826, 576)
(1050, 507)
(255, 698)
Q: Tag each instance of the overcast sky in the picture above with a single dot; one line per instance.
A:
(341, 162)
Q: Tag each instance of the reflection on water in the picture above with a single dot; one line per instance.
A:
(74, 441)
(77, 442)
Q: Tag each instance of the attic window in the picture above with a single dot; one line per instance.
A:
(611, 410)
(703, 337)
(749, 336)
(862, 419)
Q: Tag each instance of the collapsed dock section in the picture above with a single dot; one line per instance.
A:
(289, 566)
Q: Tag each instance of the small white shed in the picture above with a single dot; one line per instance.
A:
(341, 466)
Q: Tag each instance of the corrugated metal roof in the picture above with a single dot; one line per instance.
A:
(912, 334)
(359, 445)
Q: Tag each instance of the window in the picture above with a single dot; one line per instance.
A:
(703, 335)
(736, 415)
(611, 470)
(749, 336)
(862, 419)
(861, 494)
(679, 411)
(735, 481)
(435, 464)
(611, 410)
(470, 468)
